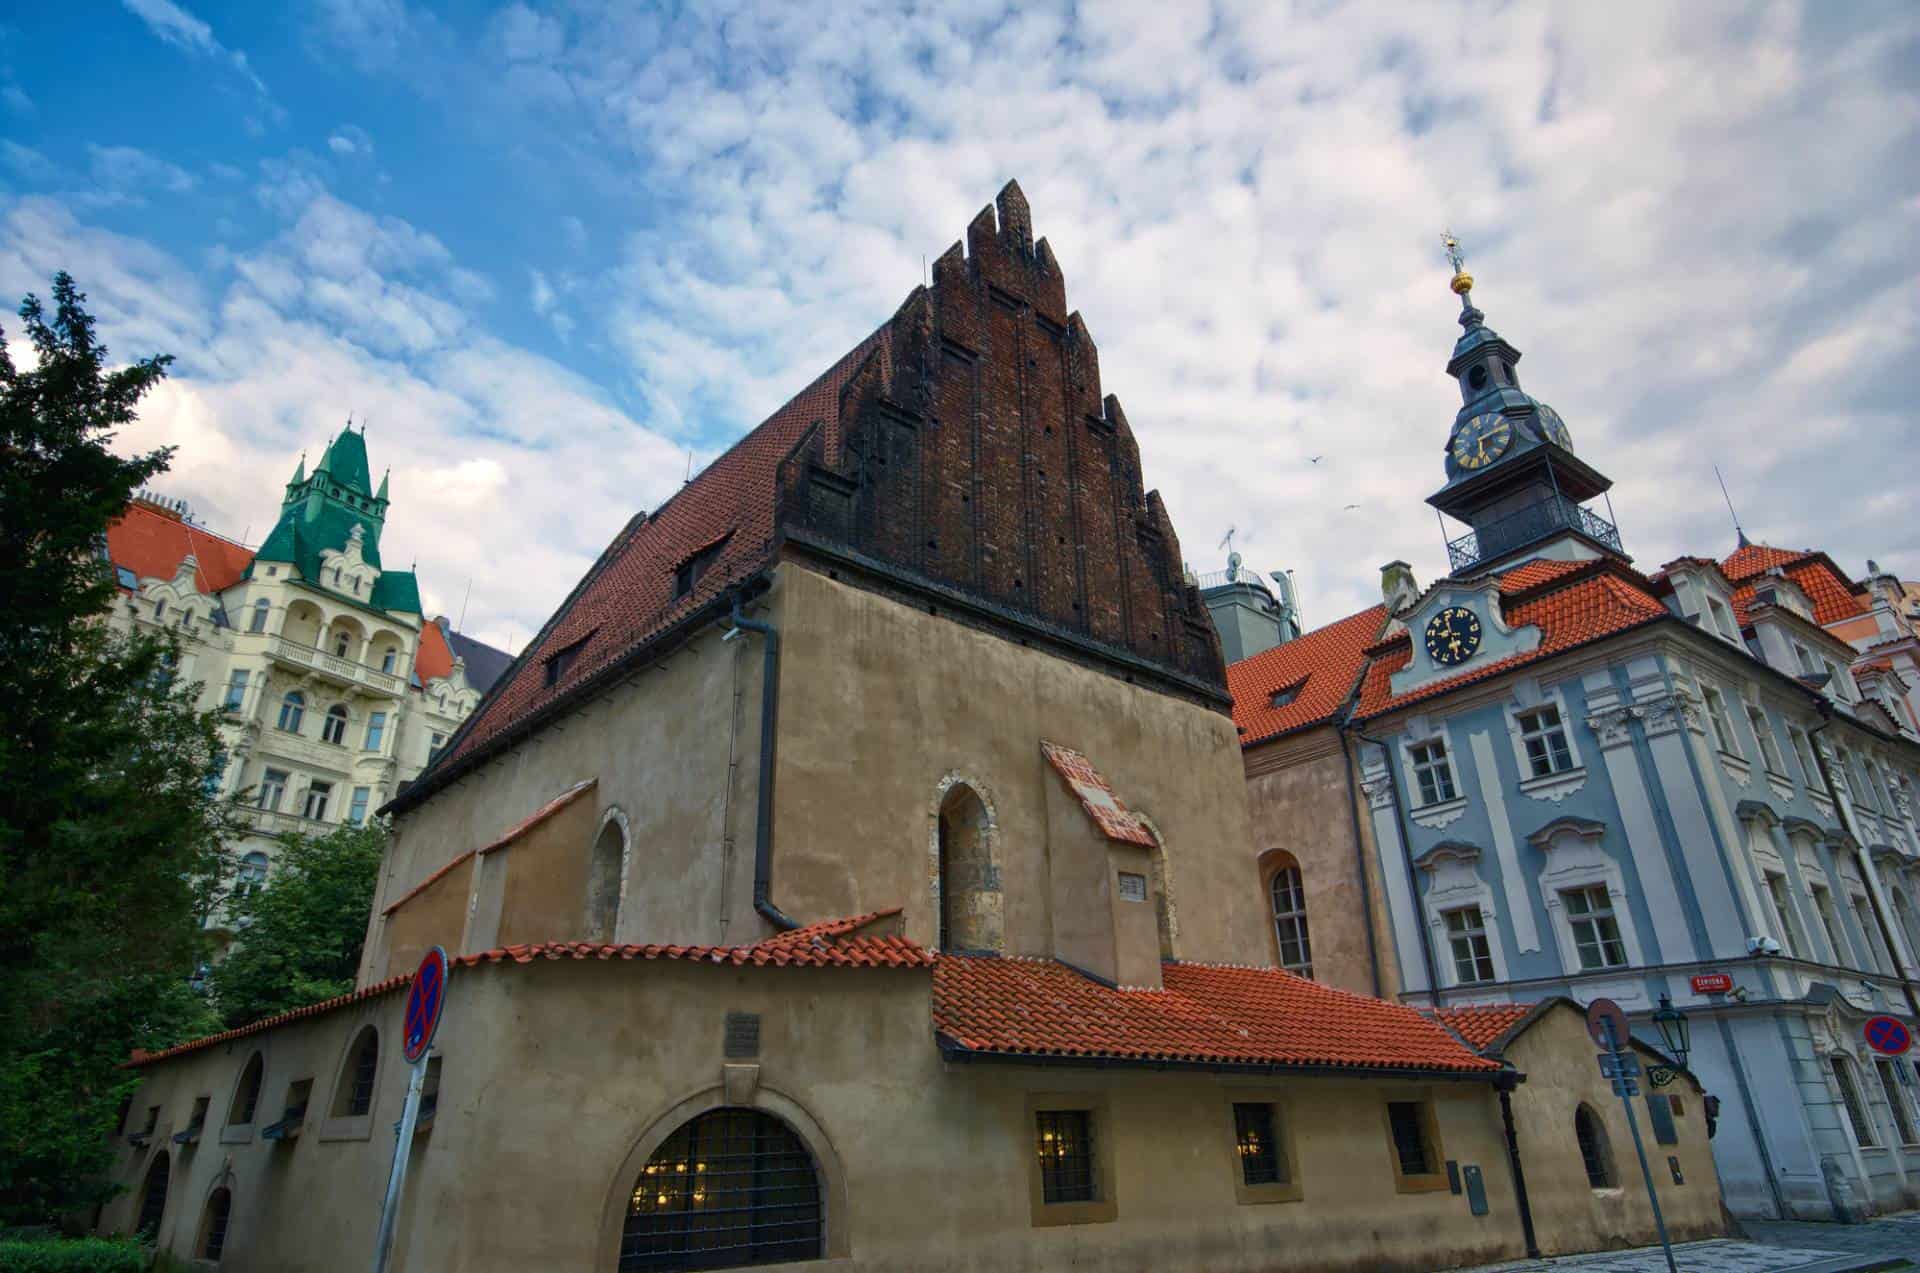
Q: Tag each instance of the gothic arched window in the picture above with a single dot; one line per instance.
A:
(246, 1096)
(153, 1197)
(1287, 895)
(213, 1228)
(1595, 1154)
(731, 1187)
(603, 882)
(293, 710)
(969, 914)
(353, 1096)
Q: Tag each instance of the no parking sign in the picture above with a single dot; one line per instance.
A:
(1888, 1036)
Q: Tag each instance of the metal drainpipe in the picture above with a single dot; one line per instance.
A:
(1505, 1085)
(1406, 855)
(1360, 864)
(1873, 896)
(763, 819)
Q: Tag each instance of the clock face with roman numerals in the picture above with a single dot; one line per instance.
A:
(1453, 635)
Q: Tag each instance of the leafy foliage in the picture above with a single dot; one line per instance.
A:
(109, 828)
(303, 928)
(61, 1255)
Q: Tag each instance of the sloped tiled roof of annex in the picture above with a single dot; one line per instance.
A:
(1207, 1014)
(1572, 604)
(829, 944)
(1324, 664)
(1834, 595)
(152, 544)
(1483, 1026)
(627, 597)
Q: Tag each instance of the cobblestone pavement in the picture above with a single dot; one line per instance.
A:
(1774, 1247)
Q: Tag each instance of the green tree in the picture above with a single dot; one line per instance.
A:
(109, 825)
(301, 931)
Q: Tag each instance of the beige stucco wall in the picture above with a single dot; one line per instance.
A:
(432, 917)
(1558, 1059)
(879, 703)
(545, 878)
(1298, 801)
(555, 1073)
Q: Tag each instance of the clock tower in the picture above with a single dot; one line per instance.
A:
(1512, 475)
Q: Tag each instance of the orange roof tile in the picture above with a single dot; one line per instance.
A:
(1323, 664)
(1207, 1014)
(152, 543)
(846, 949)
(1481, 1027)
(433, 657)
(1097, 796)
(1577, 603)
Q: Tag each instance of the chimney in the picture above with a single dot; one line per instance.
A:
(1398, 588)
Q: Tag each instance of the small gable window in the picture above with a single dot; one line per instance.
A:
(688, 573)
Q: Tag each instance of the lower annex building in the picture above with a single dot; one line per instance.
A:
(1551, 774)
(857, 866)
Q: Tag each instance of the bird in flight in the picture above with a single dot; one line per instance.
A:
(1349, 506)
(1315, 459)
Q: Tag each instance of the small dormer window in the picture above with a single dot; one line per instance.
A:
(1722, 618)
(1285, 695)
(689, 572)
(557, 664)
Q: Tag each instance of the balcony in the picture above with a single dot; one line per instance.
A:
(1532, 523)
(341, 671)
(274, 822)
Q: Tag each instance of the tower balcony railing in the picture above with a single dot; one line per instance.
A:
(1536, 521)
(334, 667)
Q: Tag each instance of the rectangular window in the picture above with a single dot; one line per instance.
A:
(1289, 896)
(1863, 915)
(1467, 935)
(387, 660)
(1432, 771)
(1809, 666)
(689, 572)
(316, 802)
(1841, 684)
(376, 730)
(236, 690)
(1413, 1152)
(561, 660)
(1769, 745)
(1803, 752)
(1722, 723)
(1896, 1101)
(1781, 898)
(1262, 1159)
(1722, 618)
(1066, 1155)
(357, 811)
(1851, 1102)
(1823, 906)
(1546, 741)
(273, 788)
(1596, 933)
(434, 744)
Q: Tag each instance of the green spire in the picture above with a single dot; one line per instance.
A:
(346, 462)
(300, 473)
(382, 496)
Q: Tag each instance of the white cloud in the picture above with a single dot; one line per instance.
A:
(174, 25)
(127, 171)
(17, 101)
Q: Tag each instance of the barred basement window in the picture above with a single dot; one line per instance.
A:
(1856, 1109)
(1261, 1159)
(1408, 1124)
(732, 1187)
(1066, 1155)
(1595, 1154)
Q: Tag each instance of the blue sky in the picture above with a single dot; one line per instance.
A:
(550, 249)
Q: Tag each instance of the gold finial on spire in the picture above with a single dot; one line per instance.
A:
(1462, 281)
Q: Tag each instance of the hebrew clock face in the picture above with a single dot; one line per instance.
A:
(1555, 428)
(1453, 635)
(1482, 440)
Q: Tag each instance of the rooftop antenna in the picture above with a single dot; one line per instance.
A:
(689, 477)
(1226, 540)
(1740, 536)
(462, 625)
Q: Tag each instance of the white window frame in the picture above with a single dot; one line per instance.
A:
(278, 788)
(1906, 1129)
(1575, 859)
(1298, 916)
(1722, 614)
(376, 732)
(1469, 933)
(1771, 758)
(1829, 917)
(1414, 765)
(1783, 910)
(1599, 902)
(1719, 720)
(1802, 743)
(1544, 734)
(236, 695)
(1454, 883)
(1881, 958)
(316, 810)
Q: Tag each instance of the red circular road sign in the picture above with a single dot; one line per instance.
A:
(424, 1002)
(1888, 1036)
(1601, 1011)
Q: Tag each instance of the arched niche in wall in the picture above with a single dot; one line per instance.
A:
(607, 876)
(965, 867)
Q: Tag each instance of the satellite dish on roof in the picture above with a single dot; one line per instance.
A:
(1233, 566)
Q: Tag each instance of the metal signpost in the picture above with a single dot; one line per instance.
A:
(424, 1004)
(1608, 1026)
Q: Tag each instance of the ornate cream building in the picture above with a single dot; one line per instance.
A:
(334, 689)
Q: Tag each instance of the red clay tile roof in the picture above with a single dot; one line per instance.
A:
(627, 597)
(1208, 1013)
(1097, 796)
(1325, 663)
(152, 543)
(828, 944)
(433, 657)
(1481, 1027)
(512, 833)
(1834, 596)
(1572, 604)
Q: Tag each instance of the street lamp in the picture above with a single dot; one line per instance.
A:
(1673, 1028)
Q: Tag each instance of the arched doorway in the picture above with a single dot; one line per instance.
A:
(729, 1188)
